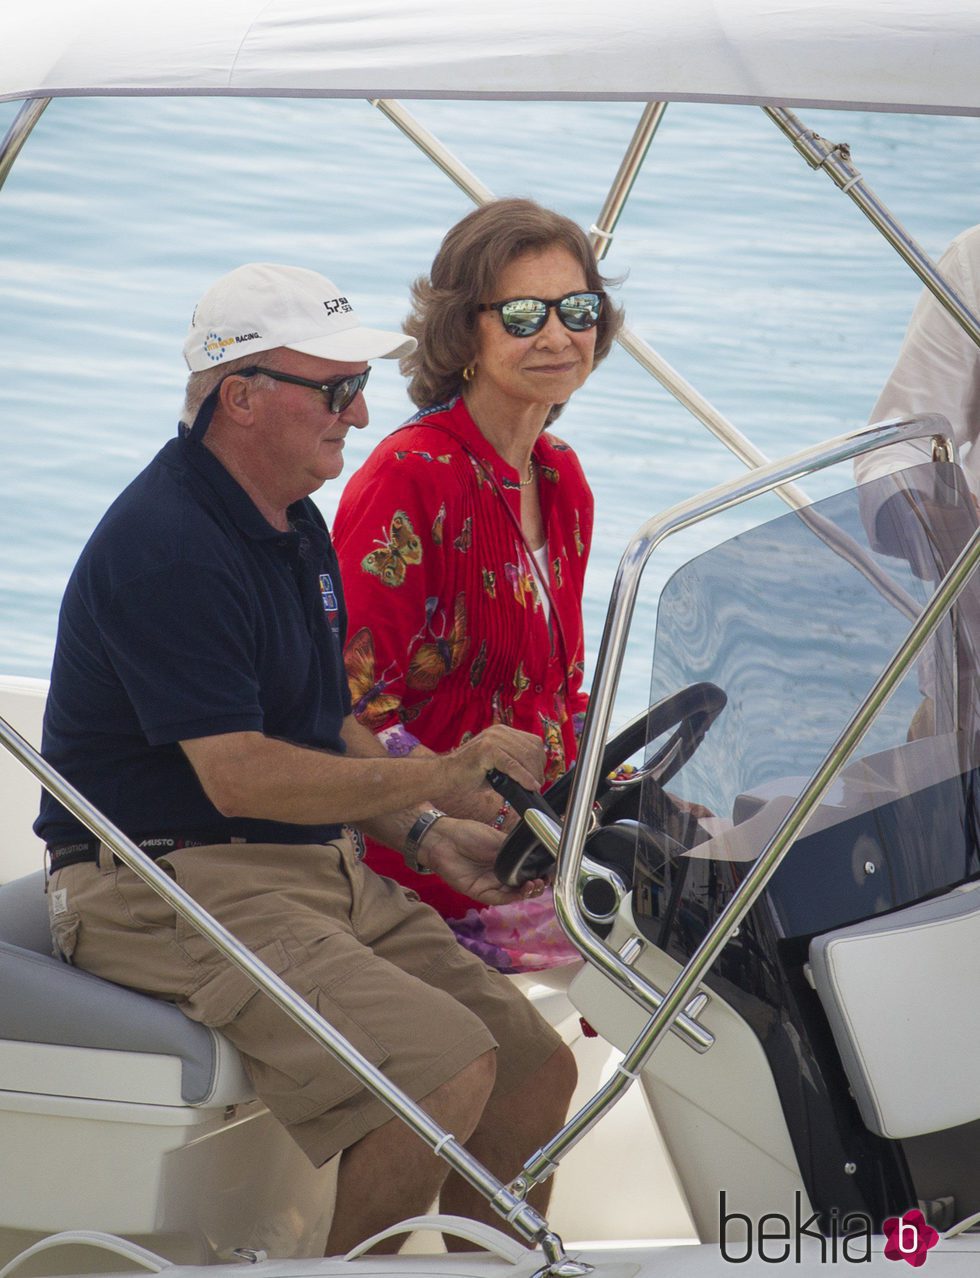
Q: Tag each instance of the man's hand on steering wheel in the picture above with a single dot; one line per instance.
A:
(685, 715)
(463, 854)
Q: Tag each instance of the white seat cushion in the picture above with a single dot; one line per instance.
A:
(900, 992)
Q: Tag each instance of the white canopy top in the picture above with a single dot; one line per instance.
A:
(919, 55)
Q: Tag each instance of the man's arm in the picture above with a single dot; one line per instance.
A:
(250, 775)
(461, 852)
(937, 369)
(247, 774)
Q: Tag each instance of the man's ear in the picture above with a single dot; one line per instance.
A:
(235, 398)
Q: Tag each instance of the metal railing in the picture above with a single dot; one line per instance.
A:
(18, 133)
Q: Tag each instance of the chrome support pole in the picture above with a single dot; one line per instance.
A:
(18, 133)
(604, 227)
(835, 160)
(518, 1213)
(705, 412)
(441, 156)
(596, 730)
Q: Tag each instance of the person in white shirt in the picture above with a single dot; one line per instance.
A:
(937, 371)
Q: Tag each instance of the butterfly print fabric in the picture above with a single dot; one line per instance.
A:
(448, 632)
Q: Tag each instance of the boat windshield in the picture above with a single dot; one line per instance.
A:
(794, 621)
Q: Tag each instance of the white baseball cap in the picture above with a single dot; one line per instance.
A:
(262, 305)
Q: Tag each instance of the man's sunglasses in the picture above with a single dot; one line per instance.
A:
(339, 392)
(525, 316)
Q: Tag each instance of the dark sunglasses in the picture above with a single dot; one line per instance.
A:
(525, 316)
(339, 392)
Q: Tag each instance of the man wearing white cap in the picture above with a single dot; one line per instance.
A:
(198, 699)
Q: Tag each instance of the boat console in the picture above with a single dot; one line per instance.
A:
(852, 974)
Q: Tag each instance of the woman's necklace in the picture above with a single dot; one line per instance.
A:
(531, 472)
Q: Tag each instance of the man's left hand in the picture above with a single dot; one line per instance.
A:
(462, 853)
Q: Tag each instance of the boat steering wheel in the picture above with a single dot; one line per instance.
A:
(689, 712)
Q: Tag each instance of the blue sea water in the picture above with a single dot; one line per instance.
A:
(752, 275)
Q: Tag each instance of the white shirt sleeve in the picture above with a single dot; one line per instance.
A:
(937, 371)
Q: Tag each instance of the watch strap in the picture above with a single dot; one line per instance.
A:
(413, 840)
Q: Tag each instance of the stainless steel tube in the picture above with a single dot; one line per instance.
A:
(19, 132)
(835, 160)
(603, 228)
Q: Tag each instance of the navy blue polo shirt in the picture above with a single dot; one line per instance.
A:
(188, 615)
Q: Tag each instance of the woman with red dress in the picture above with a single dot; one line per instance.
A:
(463, 539)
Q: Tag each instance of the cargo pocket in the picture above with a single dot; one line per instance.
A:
(64, 937)
(294, 1074)
(64, 923)
(224, 989)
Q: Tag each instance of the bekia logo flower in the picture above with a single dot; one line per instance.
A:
(909, 1237)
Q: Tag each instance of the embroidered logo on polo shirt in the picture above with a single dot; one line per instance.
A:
(330, 605)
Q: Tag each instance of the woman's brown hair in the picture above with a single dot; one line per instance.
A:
(444, 304)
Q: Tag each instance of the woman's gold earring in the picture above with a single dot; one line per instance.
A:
(469, 372)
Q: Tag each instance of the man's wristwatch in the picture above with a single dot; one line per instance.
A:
(413, 840)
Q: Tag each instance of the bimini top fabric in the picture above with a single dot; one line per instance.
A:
(914, 55)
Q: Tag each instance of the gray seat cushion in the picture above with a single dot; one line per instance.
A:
(24, 913)
(47, 1001)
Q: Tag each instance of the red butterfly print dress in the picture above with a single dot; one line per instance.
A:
(449, 634)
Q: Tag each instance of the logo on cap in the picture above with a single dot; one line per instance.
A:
(215, 346)
(337, 306)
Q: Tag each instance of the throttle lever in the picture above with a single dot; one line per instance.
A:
(519, 798)
(519, 862)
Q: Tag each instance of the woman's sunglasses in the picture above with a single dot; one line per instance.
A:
(525, 316)
(339, 392)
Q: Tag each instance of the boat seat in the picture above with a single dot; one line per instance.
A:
(899, 991)
(48, 1001)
